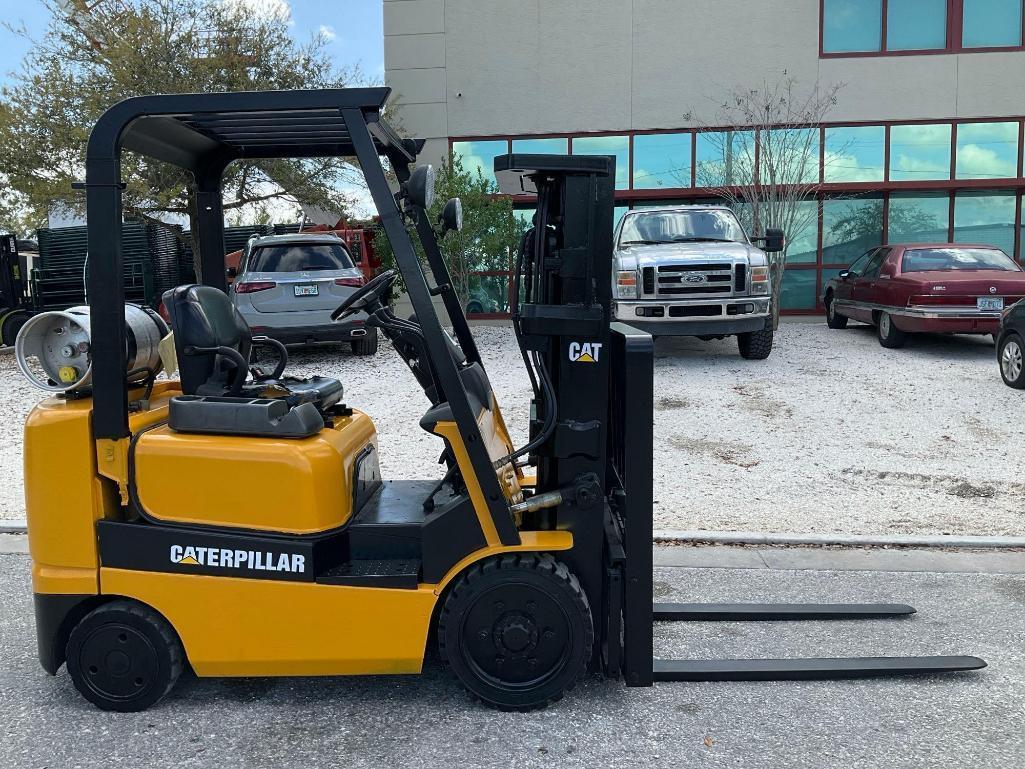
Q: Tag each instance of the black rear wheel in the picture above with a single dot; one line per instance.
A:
(889, 335)
(516, 630)
(366, 345)
(1012, 361)
(11, 325)
(124, 656)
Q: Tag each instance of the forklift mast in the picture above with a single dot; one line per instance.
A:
(12, 274)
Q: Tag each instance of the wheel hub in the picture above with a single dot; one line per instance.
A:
(119, 661)
(515, 634)
(1011, 361)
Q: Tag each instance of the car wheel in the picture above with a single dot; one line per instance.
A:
(517, 630)
(888, 333)
(833, 318)
(755, 345)
(1010, 355)
(474, 308)
(124, 656)
(366, 345)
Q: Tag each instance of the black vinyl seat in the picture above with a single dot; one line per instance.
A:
(214, 346)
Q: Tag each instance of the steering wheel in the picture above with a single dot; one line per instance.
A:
(366, 297)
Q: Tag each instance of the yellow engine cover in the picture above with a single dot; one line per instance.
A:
(268, 484)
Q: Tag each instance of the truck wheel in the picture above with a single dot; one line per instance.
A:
(755, 345)
(366, 345)
(1010, 356)
(11, 324)
(124, 656)
(833, 318)
(888, 333)
(516, 631)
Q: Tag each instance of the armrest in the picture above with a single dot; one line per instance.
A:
(227, 352)
(266, 341)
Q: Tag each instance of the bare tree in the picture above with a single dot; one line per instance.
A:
(767, 167)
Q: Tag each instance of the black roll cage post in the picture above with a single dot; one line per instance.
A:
(203, 134)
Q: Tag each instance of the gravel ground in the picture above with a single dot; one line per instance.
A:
(832, 434)
(963, 720)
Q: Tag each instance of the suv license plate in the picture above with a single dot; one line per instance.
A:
(314, 290)
(990, 302)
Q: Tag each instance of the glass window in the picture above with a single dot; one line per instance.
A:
(987, 150)
(850, 228)
(918, 217)
(985, 218)
(487, 294)
(798, 290)
(852, 25)
(916, 24)
(608, 145)
(662, 160)
(855, 154)
(648, 227)
(617, 214)
(725, 158)
(480, 156)
(991, 23)
(932, 259)
(556, 146)
(790, 155)
(919, 152)
(299, 258)
(803, 239)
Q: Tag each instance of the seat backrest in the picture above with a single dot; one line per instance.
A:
(204, 317)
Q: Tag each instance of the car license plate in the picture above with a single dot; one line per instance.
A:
(314, 290)
(990, 302)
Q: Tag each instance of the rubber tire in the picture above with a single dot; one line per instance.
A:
(366, 345)
(1019, 383)
(893, 338)
(833, 318)
(167, 648)
(755, 345)
(12, 324)
(552, 577)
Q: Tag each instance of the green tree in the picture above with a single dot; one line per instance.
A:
(861, 222)
(94, 54)
(490, 233)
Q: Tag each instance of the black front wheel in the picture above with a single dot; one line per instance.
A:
(833, 318)
(756, 345)
(124, 656)
(517, 631)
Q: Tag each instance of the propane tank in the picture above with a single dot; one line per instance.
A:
(54, 349)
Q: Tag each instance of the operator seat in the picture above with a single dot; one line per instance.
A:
(214, 346)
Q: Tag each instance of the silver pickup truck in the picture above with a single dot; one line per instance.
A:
(693, 271)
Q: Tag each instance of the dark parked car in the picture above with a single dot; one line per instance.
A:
(945, 288)
(1011, 346)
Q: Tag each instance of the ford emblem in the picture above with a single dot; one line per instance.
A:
(695, 278)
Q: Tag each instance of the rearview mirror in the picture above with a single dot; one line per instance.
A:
(420, 187)
(844, 274)
(774, 241)
(452, 216)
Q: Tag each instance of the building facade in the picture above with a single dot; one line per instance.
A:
(925, 141)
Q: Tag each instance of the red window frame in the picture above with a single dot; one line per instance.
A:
(955, 26)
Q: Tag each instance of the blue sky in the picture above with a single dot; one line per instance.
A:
(355, 25)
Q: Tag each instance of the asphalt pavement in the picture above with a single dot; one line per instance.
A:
(961, 720)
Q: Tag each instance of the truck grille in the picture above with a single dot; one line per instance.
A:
(699, 279)
(648, 280)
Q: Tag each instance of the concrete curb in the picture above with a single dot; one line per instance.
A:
(13, 526)
(838, 540)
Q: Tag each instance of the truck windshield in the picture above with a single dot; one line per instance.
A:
(652, 227)
(299, 257)
(930, 259)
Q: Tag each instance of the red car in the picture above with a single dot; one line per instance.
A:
(945, 288)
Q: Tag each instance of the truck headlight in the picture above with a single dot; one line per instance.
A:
(759, 280)
(626, 284)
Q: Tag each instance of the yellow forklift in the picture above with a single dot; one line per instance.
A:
(233, 519)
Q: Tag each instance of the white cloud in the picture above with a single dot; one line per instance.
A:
(327, 32)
